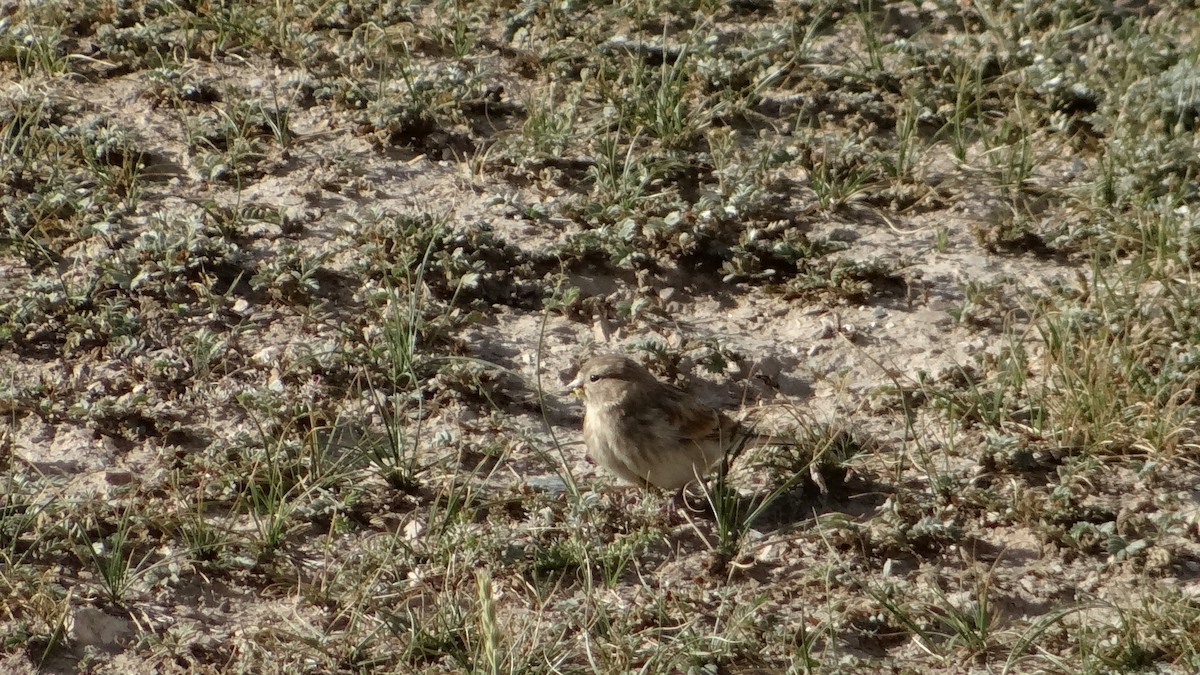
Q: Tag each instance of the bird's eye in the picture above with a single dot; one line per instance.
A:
(594, 378)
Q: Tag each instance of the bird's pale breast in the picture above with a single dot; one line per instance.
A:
(642, 446)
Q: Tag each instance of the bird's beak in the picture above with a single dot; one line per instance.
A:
(575, 386)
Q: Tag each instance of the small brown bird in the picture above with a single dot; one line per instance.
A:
(650, 433)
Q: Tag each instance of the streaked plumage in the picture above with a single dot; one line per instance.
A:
(647, 432)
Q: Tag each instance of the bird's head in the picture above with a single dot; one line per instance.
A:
(610, 378)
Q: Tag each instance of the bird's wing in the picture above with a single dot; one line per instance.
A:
(699, 423)
(716, 432)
